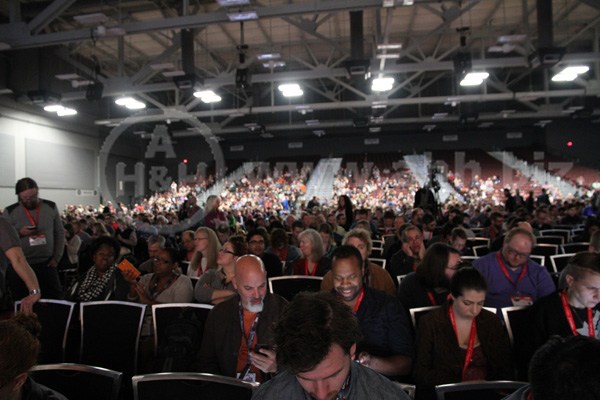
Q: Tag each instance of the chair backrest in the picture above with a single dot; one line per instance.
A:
(400, 277)
(469, 258)
(110, 332)
(479, 390)
(78, 381)
(197, 386)
(289, 286)
(164, 315)
(55, 318)
(478, 241)
(417, 313)
(565, 233)
(539, 259)
(560, 261)
(377, 243)
(376, 252)
(480, 251)
(575, 247)
(379, 261)
(518, 326)
(558, 240)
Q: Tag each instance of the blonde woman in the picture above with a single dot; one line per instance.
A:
(207, 249)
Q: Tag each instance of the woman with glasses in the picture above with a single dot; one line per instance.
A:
(429, 285)
(313, 261)
(573, 311)
(215, 285)
(461, 341)
(207, 249)
(164, 285)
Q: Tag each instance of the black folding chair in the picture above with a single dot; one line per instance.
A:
(480, 390)
(197, 386)
(55, 318)
(78, 381)
(289, 286)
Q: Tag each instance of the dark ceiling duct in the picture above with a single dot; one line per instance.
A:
(547, 55)
(187, 51)
(357, 36)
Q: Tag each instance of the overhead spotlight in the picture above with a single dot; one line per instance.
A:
(382, 84)
(474, 78)
(60, 110)
(207, 96)
(290, 90)
(130, 103)
(571, 73)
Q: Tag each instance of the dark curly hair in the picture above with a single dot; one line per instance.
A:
(19, 346)
(309, 326)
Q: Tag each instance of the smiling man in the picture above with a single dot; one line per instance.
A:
(316, 343)
(238, 333)
(513, 278)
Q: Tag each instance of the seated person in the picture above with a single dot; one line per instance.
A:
(573, 311)
(103, 281)
(387, 344)
(216, 285)
(374, 276)
(461, 341)
(313, 261)
(164, 285)
(19, 349)
(281, 247)
(563, 369)
(429, 285)
(411, 253)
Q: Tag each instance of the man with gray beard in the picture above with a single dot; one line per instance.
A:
(237, 336)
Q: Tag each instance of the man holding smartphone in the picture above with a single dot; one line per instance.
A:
(42, 236)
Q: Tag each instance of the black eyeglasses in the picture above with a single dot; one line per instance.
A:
(223, 250)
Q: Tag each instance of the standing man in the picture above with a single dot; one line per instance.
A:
(11, 250)
(38, 223)
(316, 343)
(387, 345)
(238, 331)
(512, 278)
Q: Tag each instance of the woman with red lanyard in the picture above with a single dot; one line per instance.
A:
(461, 341)
(429, 285)
(313, 261)
(573, 311)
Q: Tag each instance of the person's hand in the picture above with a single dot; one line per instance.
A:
(53, 263)
(364, 358)
(129, 276)
(406, 249)
(266, 360)
(27, 231)
(421, 251)
(27, 303)
(143, 297)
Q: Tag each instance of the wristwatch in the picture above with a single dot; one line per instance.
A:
(33, 292)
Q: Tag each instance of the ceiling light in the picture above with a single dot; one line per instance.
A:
(570, 73)
(65, 112)
(268, 56)
(389, 46)
(375, 129)
(439, 115)
(274, 64)
(429, 127)
(474, 78)
(382, 84)
(233, 3)
(130, 103)
(312, 122)
(242, 16)
(290, 90)
(67, 77)
(408, 2)
(79, 83)
(387, 56)
(90, 19)
(53, 107)
(207, 96)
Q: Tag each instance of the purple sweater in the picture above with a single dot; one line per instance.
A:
(536, 283)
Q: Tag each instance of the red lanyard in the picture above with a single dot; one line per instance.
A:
(471, 343)
(569, 314)
(314, 273)
(505, 271)
(34, 222)
(358, 301)
(431, 298)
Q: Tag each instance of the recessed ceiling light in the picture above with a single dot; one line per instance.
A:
(67, 77)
